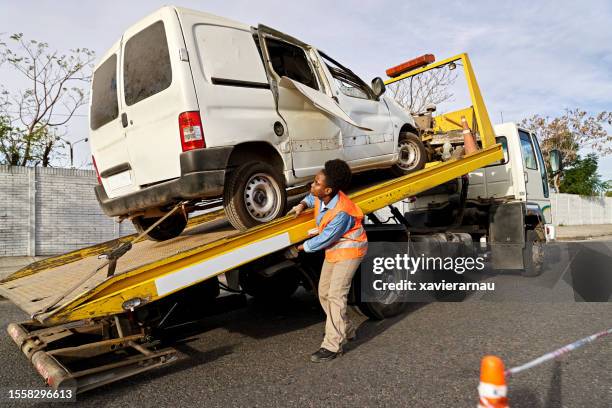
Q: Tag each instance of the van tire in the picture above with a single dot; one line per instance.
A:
(241, 206)
(411, 146)
(170, 228)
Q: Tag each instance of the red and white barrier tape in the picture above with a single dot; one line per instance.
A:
(559, 352)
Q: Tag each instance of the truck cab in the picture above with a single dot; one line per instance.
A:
(505, 205)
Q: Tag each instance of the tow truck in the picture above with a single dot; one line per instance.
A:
(95, 312)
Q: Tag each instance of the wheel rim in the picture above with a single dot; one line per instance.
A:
(387, 296)
(409, 155)
(262, 197)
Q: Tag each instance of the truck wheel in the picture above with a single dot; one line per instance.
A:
(281, 285)
(385, 305)
(254, 194)
(170, 228)
(412, 154)
(533, 253)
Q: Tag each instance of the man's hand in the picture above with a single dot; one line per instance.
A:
(293, 251)
(297, 210)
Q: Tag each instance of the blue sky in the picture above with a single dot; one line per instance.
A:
(530, 56)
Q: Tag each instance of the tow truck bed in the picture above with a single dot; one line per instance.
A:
(151, 270)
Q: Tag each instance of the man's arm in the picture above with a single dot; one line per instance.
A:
(336, 228)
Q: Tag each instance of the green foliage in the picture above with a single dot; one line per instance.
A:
(582, 178)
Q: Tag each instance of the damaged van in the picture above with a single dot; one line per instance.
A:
(188, 106)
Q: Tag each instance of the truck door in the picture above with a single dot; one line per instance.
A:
(358, 100)
(311, 117)
(536, 185)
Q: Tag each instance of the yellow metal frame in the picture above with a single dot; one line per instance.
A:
(106, 299)
(483, 123)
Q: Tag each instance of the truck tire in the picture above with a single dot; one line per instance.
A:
(254, 194)
(533, 253)
(170, 228)
(412, 154)
(279, 286)
(386, 305)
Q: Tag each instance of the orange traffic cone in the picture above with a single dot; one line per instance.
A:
(469, 140)
(492, 389)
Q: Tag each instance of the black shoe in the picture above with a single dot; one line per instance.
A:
(324, 354)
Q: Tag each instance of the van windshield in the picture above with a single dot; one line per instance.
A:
(146, 64)
(104, 107)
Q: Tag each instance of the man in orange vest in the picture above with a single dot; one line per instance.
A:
(341, 234)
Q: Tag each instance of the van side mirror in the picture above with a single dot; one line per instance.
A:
(556, 161)
(378, 86)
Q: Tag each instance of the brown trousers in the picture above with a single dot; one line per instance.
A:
(334, 286)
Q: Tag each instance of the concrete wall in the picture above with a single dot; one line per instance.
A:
(570, 209)
(47, 211)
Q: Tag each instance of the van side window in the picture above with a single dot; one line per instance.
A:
(527, 149)
(348, 83)
(291, 61)
(504, 142)
(104, 105)
(146, 64)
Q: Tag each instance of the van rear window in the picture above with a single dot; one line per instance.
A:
(146, 64)
(104, 107)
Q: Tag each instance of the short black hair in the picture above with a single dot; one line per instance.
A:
(337, 175)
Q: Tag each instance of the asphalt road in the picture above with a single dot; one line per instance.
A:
(429, 356)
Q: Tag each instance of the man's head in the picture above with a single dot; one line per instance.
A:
(335, 176)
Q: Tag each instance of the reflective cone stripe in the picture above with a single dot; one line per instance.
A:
(492, 390)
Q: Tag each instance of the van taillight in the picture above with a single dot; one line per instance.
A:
(93, 159)
(192, 135)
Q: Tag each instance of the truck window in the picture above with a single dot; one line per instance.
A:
(529, 157)
(504, 142)
(542, 167)
(291, 61)
(348, 83)
(104, 105)
(146, 64)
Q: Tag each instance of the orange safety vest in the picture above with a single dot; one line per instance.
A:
(354, 243)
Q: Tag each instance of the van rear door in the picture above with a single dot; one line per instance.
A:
(157, 87)
(107, 138)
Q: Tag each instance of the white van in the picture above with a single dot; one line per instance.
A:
(191, 106)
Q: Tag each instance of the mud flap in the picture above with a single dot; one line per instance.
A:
(507, 235)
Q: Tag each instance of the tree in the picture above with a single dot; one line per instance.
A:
(582, 178)
(428, 88)
(572, 131)
(34, 116)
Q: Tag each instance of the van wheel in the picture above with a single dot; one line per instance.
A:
(533, 254)
(170, 228)
(254, 194)
(412, 154)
